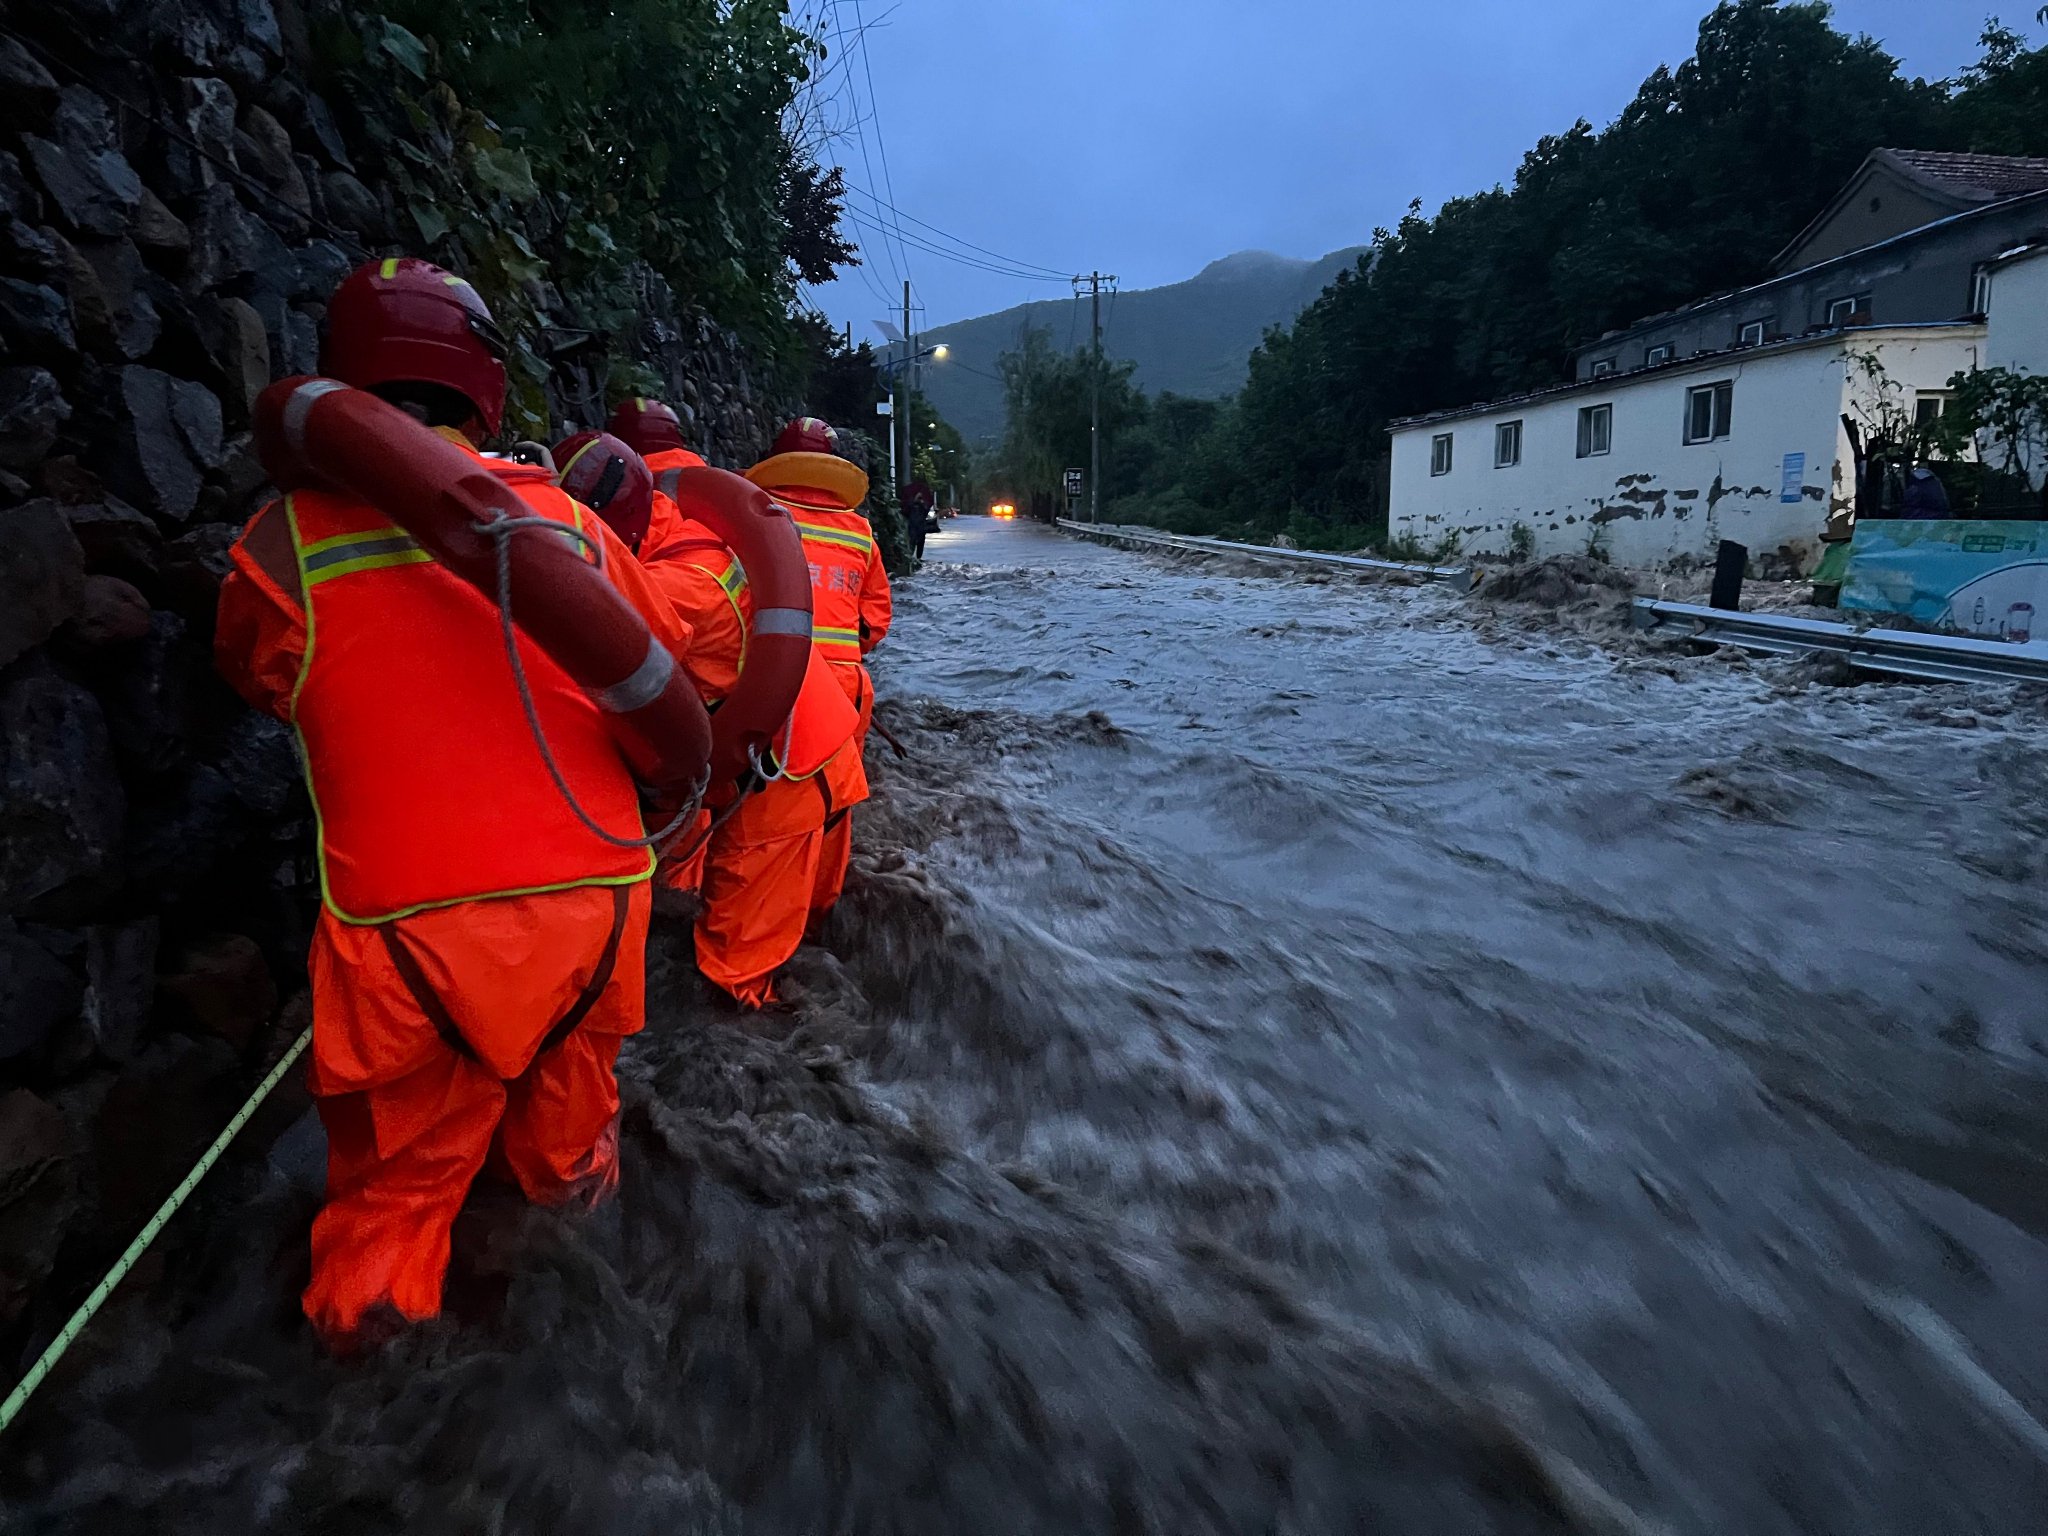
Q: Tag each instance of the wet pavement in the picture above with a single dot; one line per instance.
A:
(1296, 1056)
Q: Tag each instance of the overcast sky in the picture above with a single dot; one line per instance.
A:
(1146, 138)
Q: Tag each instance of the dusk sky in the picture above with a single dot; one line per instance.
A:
(1147, 139)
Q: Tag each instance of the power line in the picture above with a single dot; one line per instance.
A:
(896, 268)
(881, 144)
(1051, 273)
(871, 222)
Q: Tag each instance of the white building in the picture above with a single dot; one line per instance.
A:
(2016, 288)
(1745, 444)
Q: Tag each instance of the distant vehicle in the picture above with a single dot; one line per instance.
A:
(1003, 509)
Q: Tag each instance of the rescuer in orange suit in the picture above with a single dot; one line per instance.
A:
(696, 572)
(480, 954)
(757, 868)
(850, 605)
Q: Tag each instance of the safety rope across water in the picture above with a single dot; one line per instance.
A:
(68, 1334)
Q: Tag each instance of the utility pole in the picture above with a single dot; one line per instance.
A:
(909, 395)
(1095, 280)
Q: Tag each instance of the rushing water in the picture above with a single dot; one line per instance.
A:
(1296, 1058)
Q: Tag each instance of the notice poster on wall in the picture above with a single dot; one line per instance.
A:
(1965, 578)
(1792, 485)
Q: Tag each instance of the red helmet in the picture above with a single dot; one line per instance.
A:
(806, 434)
(610, 479)
(646, 425)
(405, 321)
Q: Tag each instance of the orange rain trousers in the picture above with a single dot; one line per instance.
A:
(847, 782)
(411, 1121)
(759, 872)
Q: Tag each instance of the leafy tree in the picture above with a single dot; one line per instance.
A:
(2002, 101)
(558, 151)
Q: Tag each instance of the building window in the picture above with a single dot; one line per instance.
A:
(1707, 410)
(1596, 430)
(1507, 445)
(1661, 353)
(1849, 309)
(1752, 334)
(1927, 409)
(1440, 454)
(1980, 291)
(1602, 368)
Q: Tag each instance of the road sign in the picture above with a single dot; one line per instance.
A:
(1074, 478)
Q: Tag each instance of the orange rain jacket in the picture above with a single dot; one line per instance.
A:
(851, 608)
(479, 955)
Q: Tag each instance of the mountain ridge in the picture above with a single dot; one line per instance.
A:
(1193, 337)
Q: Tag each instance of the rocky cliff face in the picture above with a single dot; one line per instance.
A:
(176, 202)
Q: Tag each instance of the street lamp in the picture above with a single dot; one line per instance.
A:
(938, 352)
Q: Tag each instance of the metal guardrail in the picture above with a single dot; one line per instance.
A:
(1458, 577)
(1893, 652)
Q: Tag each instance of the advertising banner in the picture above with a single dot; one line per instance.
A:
(1965, 578)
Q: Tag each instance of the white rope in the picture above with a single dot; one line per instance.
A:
(501, 530)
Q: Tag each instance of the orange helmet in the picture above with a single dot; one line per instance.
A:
(610, 479)
(807, 434)
(406, 321)
(646, 425)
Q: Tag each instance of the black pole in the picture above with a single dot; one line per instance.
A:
(1729, 563)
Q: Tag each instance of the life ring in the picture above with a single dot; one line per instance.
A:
(770, 551)
(317, 432)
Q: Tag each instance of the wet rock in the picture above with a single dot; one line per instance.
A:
(28, 92)
(318, 269)
(160, 231)
(229, 242)
(264, 150)
(42, 576)
(305, 113)
(243, 482)
(32, 410)
(294, 339)
(169, 435)
(39, 1195)
(61, 800)
(18, 198)
(160, 696)
(223, 986)
(27, 250)
(120, 990)
(112, 613)
(117, 539)
(352, 206)
(204, 110)
(35, 321)
(261, 764)
(130, 322)
(91, 314)
(195, 564)
(92, 186)
(238, 347)
(181, 830)
(38, 993)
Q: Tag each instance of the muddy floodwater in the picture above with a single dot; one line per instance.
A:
(1295, 1058)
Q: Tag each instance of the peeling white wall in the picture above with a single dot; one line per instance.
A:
(1654, 497)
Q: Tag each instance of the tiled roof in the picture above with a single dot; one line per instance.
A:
(1978, 177)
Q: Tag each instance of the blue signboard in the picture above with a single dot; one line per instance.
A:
(1968, 578)
(1793, 486)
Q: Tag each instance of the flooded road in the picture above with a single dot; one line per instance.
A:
(1295, 1057)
